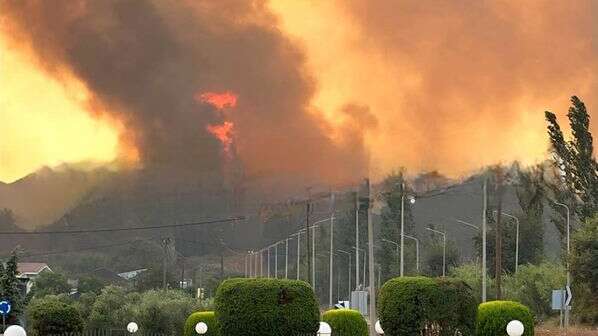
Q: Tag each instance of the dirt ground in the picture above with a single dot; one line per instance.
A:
(573, 331)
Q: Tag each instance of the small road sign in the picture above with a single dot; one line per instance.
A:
(569, 297)
(5, 307)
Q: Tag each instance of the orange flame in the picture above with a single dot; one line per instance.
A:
(224, 133)
(218, 100)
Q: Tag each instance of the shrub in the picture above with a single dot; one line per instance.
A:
(346, 322)
(494, 316)
(48, 316)
(266, 307)
(532, 286)
(207, 317)
(420, 305)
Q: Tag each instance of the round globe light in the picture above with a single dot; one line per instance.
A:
(378, 328)
(411, 199)
(132, 327)
(325, 329)
(201, 328)
(515, 328)
(15, 330)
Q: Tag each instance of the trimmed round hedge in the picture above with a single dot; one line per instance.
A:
(206, 317)
(494, 316)
(346, 322)
(266, 307)
(413, 305)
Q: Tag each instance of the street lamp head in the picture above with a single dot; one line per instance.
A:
(515, 328)
(15, 330)
(132, 327)
(378, 328)
(325, 329)
(201, 328)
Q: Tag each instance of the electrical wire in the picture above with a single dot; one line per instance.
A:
(138, 228)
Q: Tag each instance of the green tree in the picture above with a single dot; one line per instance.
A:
(50, 283)
(433, 259)
(393, 189)
(112, 309)
(9, 287)
(90, 284)
(532, 286)
(153, 279)
(50, 316)
(584, 271)
(531, 195)
(575, 160)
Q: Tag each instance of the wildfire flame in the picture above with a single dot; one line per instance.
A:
(224, 133)
(218, 100)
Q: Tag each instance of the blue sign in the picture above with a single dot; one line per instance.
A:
(4, 307)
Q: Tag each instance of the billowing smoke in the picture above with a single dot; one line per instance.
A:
(145, 62)
(475, 76)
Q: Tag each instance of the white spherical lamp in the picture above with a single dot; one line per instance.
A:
(325, 329)
(15, 330)
(132, 327)
(378, 328)
(515, 328)
(201, 328)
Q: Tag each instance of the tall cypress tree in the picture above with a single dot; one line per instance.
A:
(575, 159)
(9, 287)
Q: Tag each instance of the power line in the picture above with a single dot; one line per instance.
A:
(138, 228)
(98, 247)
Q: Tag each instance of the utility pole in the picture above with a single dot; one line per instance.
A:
(268, 261)
(307, 241)
(498, 238)
(357, 238)
(372, 281)
(331, 261)
(286, 259)
(276, 260)
(484, 218)
(165, 243)
(402, 263)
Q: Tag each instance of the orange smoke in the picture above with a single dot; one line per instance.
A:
(218, 100)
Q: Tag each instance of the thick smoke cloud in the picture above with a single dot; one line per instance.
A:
(144, 61)
(455, 85)
(478, 75)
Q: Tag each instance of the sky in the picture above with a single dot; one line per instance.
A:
(448, 86)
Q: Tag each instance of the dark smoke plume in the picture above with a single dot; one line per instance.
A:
(144, 61)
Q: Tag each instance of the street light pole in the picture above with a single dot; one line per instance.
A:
(268, 261)
(443, 249)
(394, 243)
(516, 238)
(286, 259)
(331, 262)
(349, 254)
(402, 262)
(484, 231)
(276, 260)
(356, 239)
(416, 251)
(568, 266)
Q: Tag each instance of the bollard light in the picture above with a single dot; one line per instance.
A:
(201, 328)
(15, 330)
(325, 329)
(515, 328)
(378, 328)
(132, 327)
